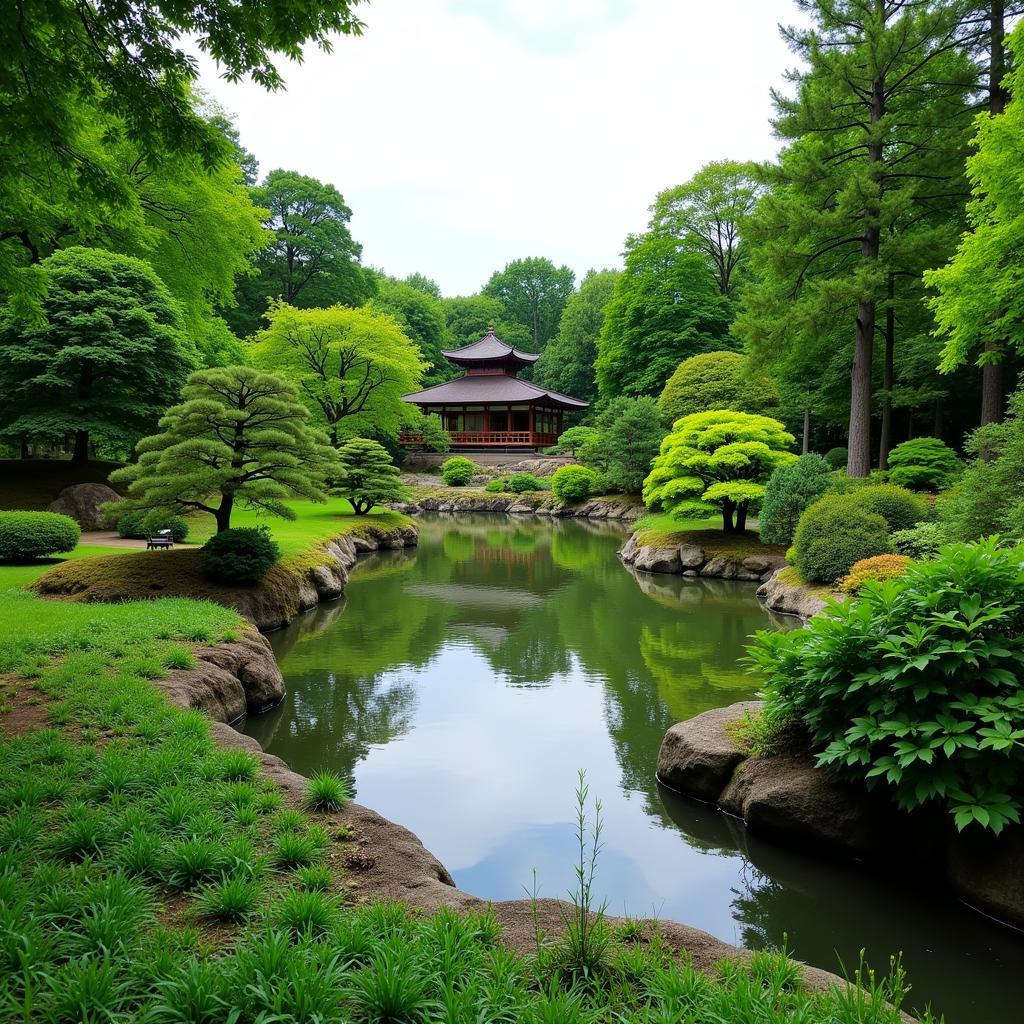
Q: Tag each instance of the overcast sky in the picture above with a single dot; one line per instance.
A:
(467, 133)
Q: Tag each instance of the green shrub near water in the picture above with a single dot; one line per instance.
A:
(522, 483)
(239, 557)
(575, 483)
(25, 536)
(457, 471)
(915, 686)
(495, 486)
(789, 491)
(923, 463)
(833, 534)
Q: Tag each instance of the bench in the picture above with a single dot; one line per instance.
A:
(162, 539)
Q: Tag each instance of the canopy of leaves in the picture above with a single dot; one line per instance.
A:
(567, 364)
(239, 435)
(351, 366)
(532, 292)
(105, 362)
(914, 686)
(628, 436)
(366, 475)
(790, 489)
(923, 463)
(665, 308)
(717, 460)
(716, 380)
(312, 259)
(421, 316)
(470, 316)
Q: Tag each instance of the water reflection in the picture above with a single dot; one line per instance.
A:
(465, 682)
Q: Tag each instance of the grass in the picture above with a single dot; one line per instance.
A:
(664, 531)
(19, 575)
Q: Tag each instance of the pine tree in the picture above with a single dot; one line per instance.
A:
(366, 475)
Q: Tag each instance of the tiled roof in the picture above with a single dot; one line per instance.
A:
(490, 346)
(477, 390)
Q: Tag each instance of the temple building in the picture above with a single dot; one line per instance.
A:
(489, 406)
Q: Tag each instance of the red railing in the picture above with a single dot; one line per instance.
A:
(503, 438)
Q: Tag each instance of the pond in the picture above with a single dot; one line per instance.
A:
(459, 687)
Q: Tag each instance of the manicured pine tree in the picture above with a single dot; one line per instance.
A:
(366, 475)
(239, 437)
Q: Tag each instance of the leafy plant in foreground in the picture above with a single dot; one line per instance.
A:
(916, 684)
(327, 792)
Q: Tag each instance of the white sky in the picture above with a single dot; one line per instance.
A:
(467, 133)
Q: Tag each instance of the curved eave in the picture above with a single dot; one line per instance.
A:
(491, 391)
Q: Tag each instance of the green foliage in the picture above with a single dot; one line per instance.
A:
(628, 435)
(521, 483)
(567, 364)
(239, 435)
(571, 441)
(837, 457)
(421, 317)
(429, 427)
(915, 685)
(989, 496)
(233, 898)
(311, 259)
(921, 541)
(575, 483)
(469, 317)
(457, 471)
(25, 536)
(718, 459)
(665, 308)
(105, 362)
(240, 557)
(923, 463)
(327, 792)
(366, 475)
(351, 366)
(532, 292)
(495, 486)
(901, 509)
(716, 380)
(790, 489)
(139, 525)
(833, 534)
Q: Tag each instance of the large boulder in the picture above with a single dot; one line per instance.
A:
(657, 559)
(803, 599)
(698, 756)
(988, 871)
(82, 502)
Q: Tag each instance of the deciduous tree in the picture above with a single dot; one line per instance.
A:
(532, 292)
(422, 318)
(716, 380)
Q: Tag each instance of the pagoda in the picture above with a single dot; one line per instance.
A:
(489, 406)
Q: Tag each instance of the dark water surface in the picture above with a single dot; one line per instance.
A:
(461, 685)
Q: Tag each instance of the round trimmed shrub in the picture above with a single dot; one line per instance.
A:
(837, 457)
(495, 486)
(901, 509)
(921, 541)
(790, 489)
(132, 525)
(574, 483)
(28, 535)
(923, 463)
(877, 569)
(521, 483)
(834, 534)
(238, 557)
(457, 471)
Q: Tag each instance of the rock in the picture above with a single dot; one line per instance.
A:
(721, 568)
(690, 573)
(698, 756)
(629, 550)
(794, 599)
(365, 543)
(82, 502)
(988, 871)
(788, 795)
(657, 560)
(760, 564)
(691, 556)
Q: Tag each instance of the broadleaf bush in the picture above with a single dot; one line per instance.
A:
(575, 483)
(457, 471)
(915, 685)
(133, 525)
(25, 536)
(833, 534)
(899, 507)
(239, 557)
(923, 463)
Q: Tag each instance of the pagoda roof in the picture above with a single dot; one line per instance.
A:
(483, 389)
(490, 349)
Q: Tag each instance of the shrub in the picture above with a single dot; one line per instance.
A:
(716, 380)
(521, 483)
(28, 535)
(790, 489)
(901, 509)
(923, 463)
(877, 569)
(495, 486)
(833, 534)
(572, 440)
(629, 432)
(575, 483)
(457, 471)
(133, 525)
(915, 684)
(837, 457)
(239, 557)
(921, 541)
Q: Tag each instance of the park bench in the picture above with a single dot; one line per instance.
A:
(160, 539)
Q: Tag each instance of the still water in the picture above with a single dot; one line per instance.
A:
(460, 685)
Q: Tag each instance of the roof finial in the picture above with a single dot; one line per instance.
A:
(490, 328)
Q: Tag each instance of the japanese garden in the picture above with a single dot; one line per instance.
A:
(619, 638)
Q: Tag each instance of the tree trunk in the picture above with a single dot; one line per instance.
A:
(859, 460)
(938, 424)
(993, 386)
(806, 446)
(227, 502)
(885, 440)
(26, 450)
(81, 451)
(741, 517)
(727, 507)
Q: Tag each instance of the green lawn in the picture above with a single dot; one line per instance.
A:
(19, 575)
(664, 531)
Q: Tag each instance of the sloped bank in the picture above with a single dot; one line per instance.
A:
(784, 594)
(291, 586)
(692, 558)
(787, 797)
(540, 503)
